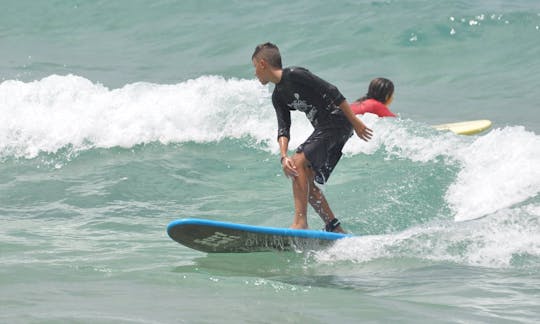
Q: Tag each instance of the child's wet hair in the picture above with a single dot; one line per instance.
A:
(380, 89)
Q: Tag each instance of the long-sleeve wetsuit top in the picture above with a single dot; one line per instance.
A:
(299, 89)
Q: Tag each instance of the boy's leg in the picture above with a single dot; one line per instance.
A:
(300, 185)
(320, 204)
(304, 190)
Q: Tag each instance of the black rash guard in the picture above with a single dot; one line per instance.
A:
(299, 89)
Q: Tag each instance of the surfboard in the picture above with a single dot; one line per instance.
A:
(224, 237)
(470, 127)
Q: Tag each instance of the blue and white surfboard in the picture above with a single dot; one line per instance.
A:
(224, 237)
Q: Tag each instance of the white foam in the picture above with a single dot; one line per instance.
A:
(57, 111)
(497, 170)
(498, 241)
(405, 139)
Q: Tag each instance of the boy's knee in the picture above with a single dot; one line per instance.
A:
(300, 160)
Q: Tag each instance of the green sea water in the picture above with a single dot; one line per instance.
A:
(119, 117)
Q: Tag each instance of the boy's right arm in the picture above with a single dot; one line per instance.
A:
(283, 115)
(289, 168)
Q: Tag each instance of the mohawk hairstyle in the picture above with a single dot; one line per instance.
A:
(270, 53)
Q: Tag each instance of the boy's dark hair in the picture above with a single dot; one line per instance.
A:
(270, 53)
(380, 89)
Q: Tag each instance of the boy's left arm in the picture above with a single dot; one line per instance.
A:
(360, 128)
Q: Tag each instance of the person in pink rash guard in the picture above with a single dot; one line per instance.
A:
(376, 101)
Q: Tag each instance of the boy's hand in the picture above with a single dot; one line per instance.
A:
(289, 168)
(363, 132)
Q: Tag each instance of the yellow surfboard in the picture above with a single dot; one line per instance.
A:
(470, 127)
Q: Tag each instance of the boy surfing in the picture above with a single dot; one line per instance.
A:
(333, 121)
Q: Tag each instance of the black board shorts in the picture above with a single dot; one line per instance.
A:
(323, 150)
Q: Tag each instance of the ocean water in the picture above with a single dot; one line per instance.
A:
(118, 117)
